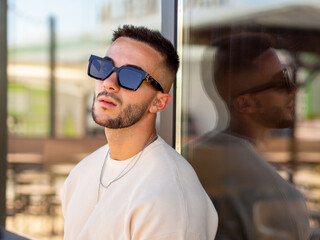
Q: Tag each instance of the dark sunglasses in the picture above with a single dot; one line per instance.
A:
(128, 77)
(282, 80)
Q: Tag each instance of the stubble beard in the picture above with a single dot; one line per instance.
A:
(130, 115)
(277, 118)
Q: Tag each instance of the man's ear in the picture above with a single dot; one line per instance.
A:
(244, 104)
(160, 102)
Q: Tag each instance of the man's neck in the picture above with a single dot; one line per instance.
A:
(249, 130)
(127, 142)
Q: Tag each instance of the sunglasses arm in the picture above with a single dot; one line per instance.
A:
(153, 82)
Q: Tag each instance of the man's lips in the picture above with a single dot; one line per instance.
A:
(106, 101)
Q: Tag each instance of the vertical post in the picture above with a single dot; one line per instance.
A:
(169, 30)
(3, 109)
(52, 86)
(293, 140)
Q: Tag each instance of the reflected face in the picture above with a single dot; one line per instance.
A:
(274, 106)
(116, 107)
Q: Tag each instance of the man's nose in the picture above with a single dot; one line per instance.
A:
(111, 83)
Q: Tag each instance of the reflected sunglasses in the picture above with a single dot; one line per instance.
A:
(282, 81)
(128, 77)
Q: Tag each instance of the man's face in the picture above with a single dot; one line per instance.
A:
(116, 107)
(274, 106)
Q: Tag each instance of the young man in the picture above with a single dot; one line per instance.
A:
(137, 186)
(252, 200)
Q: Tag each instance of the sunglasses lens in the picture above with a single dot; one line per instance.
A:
(127, 76)
(100, 69)
(130, 79)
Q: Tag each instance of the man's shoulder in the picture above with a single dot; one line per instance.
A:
(168, 172)
(219, 142)
(220, 138)
(169, 188)
(163, 157)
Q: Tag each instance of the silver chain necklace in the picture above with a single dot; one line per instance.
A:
(122, 173)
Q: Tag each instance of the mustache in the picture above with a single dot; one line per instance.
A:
(110, 95)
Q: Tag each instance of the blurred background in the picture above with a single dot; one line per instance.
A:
(48, 94)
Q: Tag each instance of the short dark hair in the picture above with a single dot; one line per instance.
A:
(236, 55)
(154, 39)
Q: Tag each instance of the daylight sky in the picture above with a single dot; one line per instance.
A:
(28, 20)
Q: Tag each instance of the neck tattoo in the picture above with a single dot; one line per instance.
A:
(127, 169)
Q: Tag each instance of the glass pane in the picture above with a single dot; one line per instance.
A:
(252, 135)
(49, 104)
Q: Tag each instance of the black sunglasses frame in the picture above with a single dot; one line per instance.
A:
(145, 76)
(284, 83)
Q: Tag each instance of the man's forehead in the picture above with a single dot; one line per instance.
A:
(123, 43)
(127, 51)
(130, 51)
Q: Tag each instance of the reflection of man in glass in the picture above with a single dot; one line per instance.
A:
(255, 86)
(253, 201)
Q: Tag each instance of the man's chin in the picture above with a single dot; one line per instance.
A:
(109, 123)
(99, 119)
(288, 123)
(99, 122)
